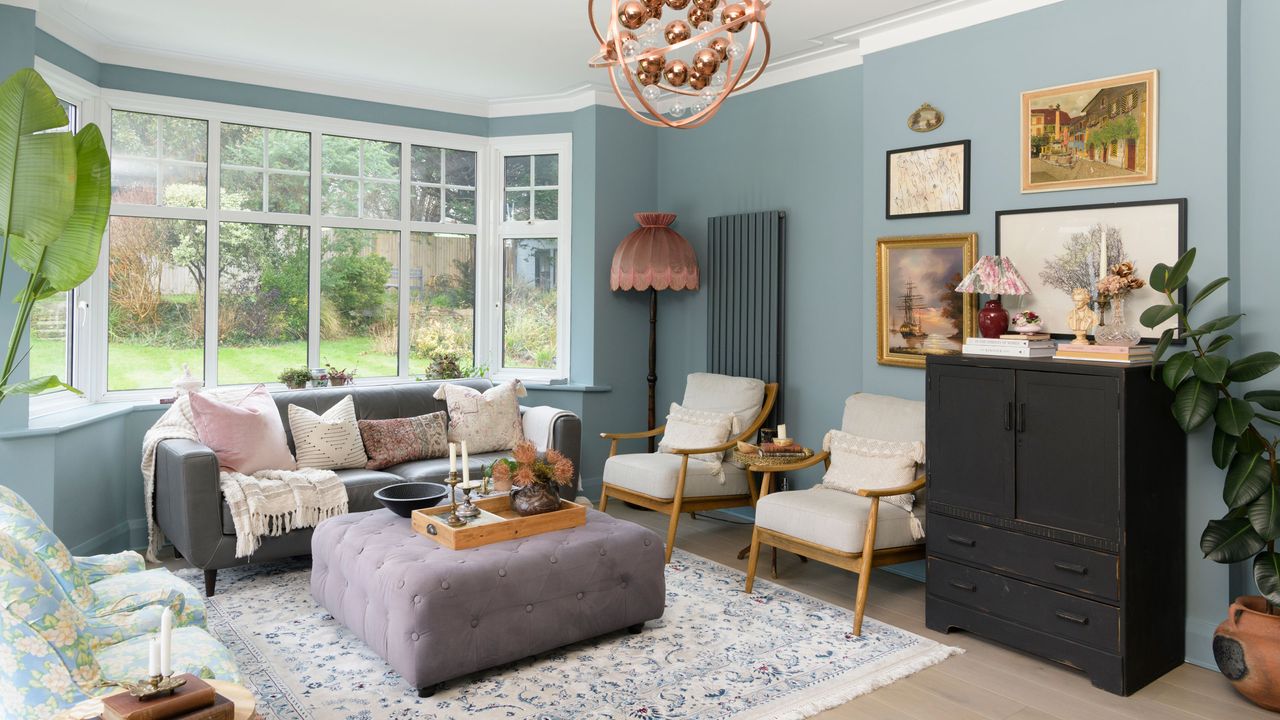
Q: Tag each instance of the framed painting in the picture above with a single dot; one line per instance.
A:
(1091, 134)
(918, 311)
(1059, 249)
(927, 180)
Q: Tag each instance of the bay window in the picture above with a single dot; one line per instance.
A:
(244, 242)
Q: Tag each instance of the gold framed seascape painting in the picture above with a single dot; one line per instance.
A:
(918, 311)
(1090, 134)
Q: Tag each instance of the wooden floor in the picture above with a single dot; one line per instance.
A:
(988, 681)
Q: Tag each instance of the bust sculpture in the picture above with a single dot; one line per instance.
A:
(1082, 318)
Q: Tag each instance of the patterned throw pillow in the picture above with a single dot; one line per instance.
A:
(696, 429)
(330, 441)
(391, 442)
(488, 421)
(859, 463)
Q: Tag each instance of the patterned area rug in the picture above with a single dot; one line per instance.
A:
(716, 653)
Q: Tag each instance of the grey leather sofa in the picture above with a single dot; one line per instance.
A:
(194, 517)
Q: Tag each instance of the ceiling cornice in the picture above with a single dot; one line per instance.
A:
(842, 49)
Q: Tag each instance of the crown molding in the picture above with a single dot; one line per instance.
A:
(842, 49)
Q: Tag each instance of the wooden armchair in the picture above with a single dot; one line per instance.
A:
(852, 532)
(672, 482)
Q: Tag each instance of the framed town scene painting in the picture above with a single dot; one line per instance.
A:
(1060, 249)
(918, 311)
(1090, 134)
(927, 180)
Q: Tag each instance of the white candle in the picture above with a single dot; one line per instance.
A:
(466, 465)
(166, 641)
(153, 663)
(453, 457)
(782, 432)
(1102, 262)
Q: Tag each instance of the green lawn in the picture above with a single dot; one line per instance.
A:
(134, 367)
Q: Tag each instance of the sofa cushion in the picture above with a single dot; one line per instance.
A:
(361, 484)
(329, 441)
(486, 421)
(245, 432)
(437, 469)
(834, 519)
(396, 440)
(656, 475)
(860, 463)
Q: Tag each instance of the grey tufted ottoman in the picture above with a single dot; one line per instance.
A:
(436, 614)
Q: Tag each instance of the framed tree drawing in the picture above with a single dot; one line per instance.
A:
(1090, 134)
(918, 311)
(927, 180)
(1063, 248)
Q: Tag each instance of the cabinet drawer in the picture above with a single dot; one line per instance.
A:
(1050, 611)
(1065, 566)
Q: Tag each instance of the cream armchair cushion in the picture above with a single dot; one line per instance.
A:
(690, 429)
(656, 475)
(859, 463)
(834, 519)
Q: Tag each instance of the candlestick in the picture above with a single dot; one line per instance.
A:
(452, 519)
(467, 509)
(153, 661)
(166, 641)
(782, 432)
(453, 457)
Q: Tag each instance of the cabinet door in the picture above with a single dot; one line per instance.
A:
(970, 440)
(1068, 455)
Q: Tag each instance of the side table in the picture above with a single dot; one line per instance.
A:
(766, 467)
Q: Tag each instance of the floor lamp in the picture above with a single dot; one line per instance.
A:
(654, 257)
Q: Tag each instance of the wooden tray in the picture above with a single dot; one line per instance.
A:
(497, 523)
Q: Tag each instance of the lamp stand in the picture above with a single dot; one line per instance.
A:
(993, 320)
(653, 361)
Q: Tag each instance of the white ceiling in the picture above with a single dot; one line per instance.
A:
(481, 51)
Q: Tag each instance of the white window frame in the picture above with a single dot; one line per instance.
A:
(515, 145)
(90, 334)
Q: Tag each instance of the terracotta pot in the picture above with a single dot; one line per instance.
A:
(1246, 647)
(535, 499)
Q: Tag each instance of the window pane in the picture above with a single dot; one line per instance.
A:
(180, 145)
(425, 203)
(517, 205)
(155, 313)
(184, 139)
(529, 314)
(359, 300)
(425, 165)
(288, 150)
(241, 190)
(182, 185)
(49, 337)
(262, 301)
(381, 160)
(442, 291)
(134, 181)
(289, 193)
(546, 204)
(460, 206)
(546, 170)
(340, 155)
(381, 200)
(242, 145)
(134, 134)
(460, 168)
(340, 197)
(516, 171)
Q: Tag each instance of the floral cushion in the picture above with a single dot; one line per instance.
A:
(34, 683)
(35, 537)
(488, 421)
(132, 591)
(397, 440)
(97, 567)
(14, 501)
(194, 651)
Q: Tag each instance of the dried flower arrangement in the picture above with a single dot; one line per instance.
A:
(527, 468)
(1120, 281)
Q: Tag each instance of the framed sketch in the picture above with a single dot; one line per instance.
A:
(1060, 249)
(927, 180)
(1091, 134)
(918, 311)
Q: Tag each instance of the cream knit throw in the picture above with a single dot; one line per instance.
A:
(269, 503)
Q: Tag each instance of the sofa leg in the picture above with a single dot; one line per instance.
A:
(210, 582)
(636, 629)
(426, 692)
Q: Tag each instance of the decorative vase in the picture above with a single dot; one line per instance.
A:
(1246, 647)
(1028, 329)
(993, 321)
(534, 499)
(1118, 331)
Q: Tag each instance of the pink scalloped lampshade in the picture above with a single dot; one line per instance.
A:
(654, 257)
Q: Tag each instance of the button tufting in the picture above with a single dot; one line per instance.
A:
(603, 551)
(474, 623)
(647, 541)
(444, 585)
(414, 636)
(417, 599)
(554, 560)
(579, 596)
(401, 584)
(528, 608)
(502, 572)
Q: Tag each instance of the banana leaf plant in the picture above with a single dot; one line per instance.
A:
(55, 195)
(1205, 385)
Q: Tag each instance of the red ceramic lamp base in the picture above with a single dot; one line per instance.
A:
(993, 321)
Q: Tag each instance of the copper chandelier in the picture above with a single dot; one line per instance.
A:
(681, 70)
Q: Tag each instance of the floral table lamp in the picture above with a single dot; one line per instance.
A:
(993, 275)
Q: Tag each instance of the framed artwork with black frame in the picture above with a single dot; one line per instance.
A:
(927, 180)
(1058, 249)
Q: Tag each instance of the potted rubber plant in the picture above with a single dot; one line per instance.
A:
(1246, 424)
(55, 196)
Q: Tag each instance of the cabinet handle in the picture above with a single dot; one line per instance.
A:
(1008, 416)
(962, 540)
(967, 587)
(1022, 417)
(1072, 617)
(1072, 568)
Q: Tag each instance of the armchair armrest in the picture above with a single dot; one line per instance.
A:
(188, 499)
(887, 492)
(634, 435)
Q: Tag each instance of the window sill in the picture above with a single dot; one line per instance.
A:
(573, 388)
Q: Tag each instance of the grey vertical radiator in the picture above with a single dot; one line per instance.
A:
(746, 289)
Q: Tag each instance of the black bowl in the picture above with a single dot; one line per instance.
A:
(403, 498)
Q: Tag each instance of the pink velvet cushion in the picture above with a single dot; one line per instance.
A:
(246, 434)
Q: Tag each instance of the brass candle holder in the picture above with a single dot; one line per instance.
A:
(467, 509)
(452, 519)
(154, 687)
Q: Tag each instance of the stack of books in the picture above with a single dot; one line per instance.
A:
(1018, 346)
(1123, 354)
(775, 450)
(196, 700)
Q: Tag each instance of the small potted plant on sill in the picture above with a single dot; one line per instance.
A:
(533, 480)
(1204, 379)
(295, 378)
(339, 378)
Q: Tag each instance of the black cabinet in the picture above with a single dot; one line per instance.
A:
(1056, 513)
